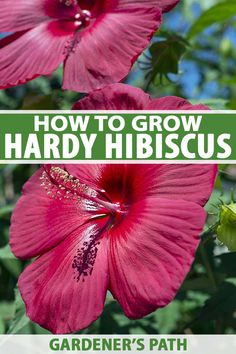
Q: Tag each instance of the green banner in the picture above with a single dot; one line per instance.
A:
(104, 136)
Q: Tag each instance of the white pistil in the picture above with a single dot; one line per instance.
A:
(78, 23)
(87, 13)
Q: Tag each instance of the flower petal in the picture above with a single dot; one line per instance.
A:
(36, 52)
(167, 5)
(54, 297)
(114, 97)
(173, 181)
(189, 182)
(151, 252)
(106, 51)
(24, 14)
(40, 222)
(125, 97)
(21, 15)
(174, 103)
(164, 5)
(89, 174)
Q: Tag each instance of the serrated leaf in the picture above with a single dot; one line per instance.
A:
(166, 54)
(219, 13)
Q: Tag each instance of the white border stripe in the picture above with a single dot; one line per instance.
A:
(144, 162)
(55, 112)
(163, 112)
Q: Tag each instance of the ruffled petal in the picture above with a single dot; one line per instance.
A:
(114, 97)
(167, 5)
(106, 51)
(174, 103)
(151, 252)
(40, 222)
(36, 52)
(20, 15)
(55, 297)
(125, 97)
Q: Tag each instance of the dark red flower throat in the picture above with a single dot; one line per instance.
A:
(80, 12)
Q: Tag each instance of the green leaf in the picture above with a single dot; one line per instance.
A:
(199, 284)
(6, 309)
(218, 183)
(6, 210)
(226, 231)
(33, 101)
(232, 104)
(6, 253)
(2, 326)
(9, 261)
(166, 55)
(168, 317)
(212, 103)
(20, 320)
(222, 302)
(219, 13)
(227, 264)
(12, 265)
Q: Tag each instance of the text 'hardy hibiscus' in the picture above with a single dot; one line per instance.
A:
(129, 229)
(97, 40)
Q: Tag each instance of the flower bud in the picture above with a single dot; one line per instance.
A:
(226, 231)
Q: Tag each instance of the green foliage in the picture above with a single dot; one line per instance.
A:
(5, 253)
(214, 104)
(165, 56)
(226, 231)
(221, 304)
(206, 301)
(19, 320)
(219, 13)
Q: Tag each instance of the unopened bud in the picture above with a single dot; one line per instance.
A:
(226, 231)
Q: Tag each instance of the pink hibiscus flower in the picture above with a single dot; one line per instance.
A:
(130, 229)
(97, 40)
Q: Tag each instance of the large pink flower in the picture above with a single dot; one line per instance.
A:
(97, 40)
(132, 229)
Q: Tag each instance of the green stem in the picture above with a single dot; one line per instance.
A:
(208, 266)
